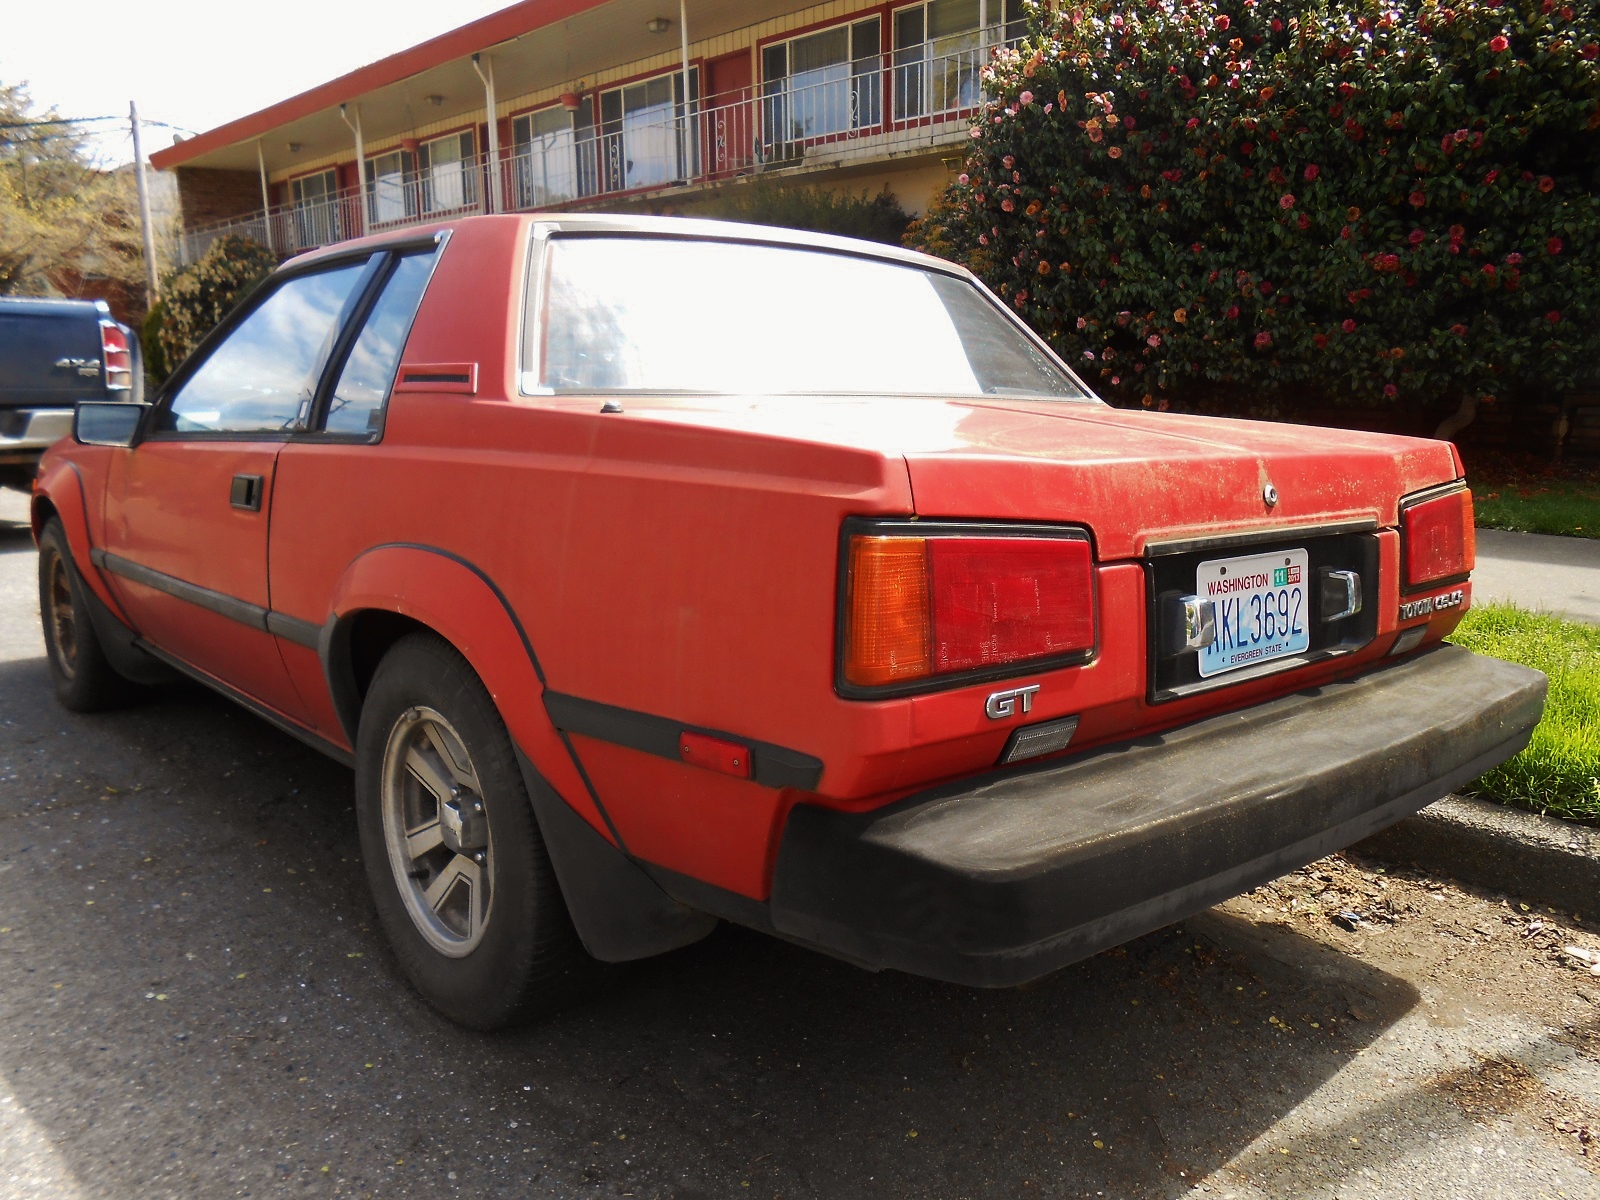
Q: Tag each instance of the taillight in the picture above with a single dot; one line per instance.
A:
(919, 608)
(1438, 538)
(116, 356)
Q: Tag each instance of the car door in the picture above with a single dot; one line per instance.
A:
(187, 508)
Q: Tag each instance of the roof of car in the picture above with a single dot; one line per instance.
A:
(46, 305)
(689, 227)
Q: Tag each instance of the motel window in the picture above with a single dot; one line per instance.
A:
(940, 48)
(316, 208)
(551, 160)
(645, 138)
(390, 195)
(822, 83)
(446, 169)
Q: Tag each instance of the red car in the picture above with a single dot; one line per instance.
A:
(653, 572)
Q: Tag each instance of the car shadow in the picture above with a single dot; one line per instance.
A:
(15, 537)
(196, 998)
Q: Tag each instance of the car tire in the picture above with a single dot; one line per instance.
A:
(83, 677)
(458, 869)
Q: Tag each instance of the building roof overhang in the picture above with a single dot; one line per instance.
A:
(537, 43)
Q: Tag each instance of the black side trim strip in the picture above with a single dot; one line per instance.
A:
(293, 629)
(533, 659)
(300, 733)
(234, 609)
(772, 766)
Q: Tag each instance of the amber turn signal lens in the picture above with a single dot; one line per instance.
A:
(1441, 541)
(887, 634)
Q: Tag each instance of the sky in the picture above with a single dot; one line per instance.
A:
(196, 64)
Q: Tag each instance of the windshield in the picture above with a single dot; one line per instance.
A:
(670, 314)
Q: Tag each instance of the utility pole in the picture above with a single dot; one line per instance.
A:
(152, 286)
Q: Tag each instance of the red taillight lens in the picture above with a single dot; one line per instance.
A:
(118, 360)
(922, 607)
(1440, 539)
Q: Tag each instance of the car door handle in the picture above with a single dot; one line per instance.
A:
(246, 492)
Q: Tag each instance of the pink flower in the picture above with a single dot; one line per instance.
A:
(1050, 107)
(963, 179)
(1286, 200)
(1459, 330)
(1499, 44)
(1591, 51)
(1320, 341)
(1417, 237)
(1491, 177)
(1153, 340)
(1008, 205)
(1233, 312)
(1513, 259)
(1553, 246)
(1192, 123)
(1303, 221)
(1418, 199)
(1222, 22)
(1089, 354)
(1127, 123)
(1312, 172)
(1026, 98)
(1553, 316)
(983, 239)
(1263, 340)
(1114, 151)
(1488, 269)
(1082, 324)
(1390, 390)
(1008, 162)
(1349, 325)
(978, 133)
(1546, 184)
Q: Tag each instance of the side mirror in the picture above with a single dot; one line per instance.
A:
(108, 422)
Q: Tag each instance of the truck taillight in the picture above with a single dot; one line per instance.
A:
(1438, 538)
(116, 356)
(922, 608)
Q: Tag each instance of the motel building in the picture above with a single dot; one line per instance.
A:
(645, 105)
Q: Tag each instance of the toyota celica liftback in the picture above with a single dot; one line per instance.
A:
(653, 572)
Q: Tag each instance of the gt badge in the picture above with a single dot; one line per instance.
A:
(1008, 704)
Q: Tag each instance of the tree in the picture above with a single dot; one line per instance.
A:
(197, 298)
(1295, 204)
(62, 217)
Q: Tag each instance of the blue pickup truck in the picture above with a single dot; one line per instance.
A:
(54, 353)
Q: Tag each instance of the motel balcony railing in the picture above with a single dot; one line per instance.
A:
(853, 111)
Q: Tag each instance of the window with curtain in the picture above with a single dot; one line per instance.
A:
(940, 48)
(448, 170)
(544, 160)
(822, 83)
(646, 137)
(316, 208)
(389, 194)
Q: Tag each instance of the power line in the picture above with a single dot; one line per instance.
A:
(4, 125)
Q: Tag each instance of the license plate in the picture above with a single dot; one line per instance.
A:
(1261, 606)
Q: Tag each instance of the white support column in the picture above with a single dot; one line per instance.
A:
(361, 169)
(688, 103)
(485, 70)
(266, 196)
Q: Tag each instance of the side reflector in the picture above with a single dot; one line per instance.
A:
(1440, 539)
(714, 754)
(918, 607)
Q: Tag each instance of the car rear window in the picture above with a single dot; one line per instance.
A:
(639, 313)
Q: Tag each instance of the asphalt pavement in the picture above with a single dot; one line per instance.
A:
(195, 1003)
(1553, 574)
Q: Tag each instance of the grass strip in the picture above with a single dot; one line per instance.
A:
(1569, 509)
(1559, 772)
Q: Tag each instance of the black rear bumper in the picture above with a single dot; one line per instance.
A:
(1002, 879)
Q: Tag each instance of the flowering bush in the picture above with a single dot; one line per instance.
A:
(197, 298)
(1294, 203)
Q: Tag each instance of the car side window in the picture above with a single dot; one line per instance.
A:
(356, 406)
(265, 370)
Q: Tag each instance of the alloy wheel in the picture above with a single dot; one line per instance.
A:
(436, 830)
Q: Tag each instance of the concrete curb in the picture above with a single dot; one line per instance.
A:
(1534, 858)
